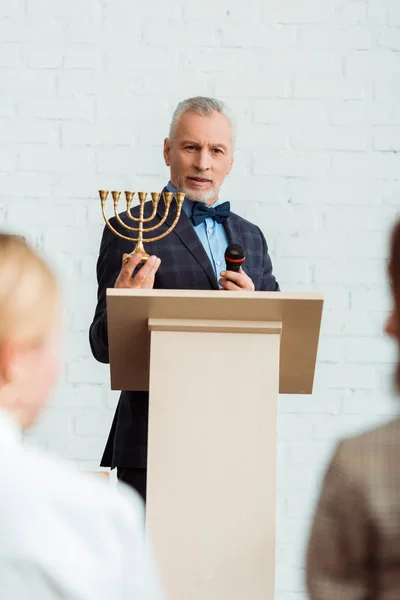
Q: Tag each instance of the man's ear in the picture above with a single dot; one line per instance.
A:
(230, 165)
(167, 152)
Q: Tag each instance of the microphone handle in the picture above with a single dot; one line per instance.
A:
(233, 266)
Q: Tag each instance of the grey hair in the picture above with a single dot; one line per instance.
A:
(203, 106)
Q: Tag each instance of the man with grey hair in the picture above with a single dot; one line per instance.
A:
(199, 154)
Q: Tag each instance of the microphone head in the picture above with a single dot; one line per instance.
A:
(234, 257)
(234, 252)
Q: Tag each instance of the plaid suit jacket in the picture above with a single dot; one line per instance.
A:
(184, 265)
(354, 548)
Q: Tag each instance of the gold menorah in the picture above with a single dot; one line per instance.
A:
(155, 198)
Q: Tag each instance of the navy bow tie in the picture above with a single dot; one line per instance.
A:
(201, 212)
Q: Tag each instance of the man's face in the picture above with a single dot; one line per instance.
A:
(200, 155)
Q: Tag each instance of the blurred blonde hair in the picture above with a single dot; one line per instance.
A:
(28, 292)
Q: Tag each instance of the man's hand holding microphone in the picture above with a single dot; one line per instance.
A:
(234, 278)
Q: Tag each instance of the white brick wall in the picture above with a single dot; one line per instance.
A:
(87, 89)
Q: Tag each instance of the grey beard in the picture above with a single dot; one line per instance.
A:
(199, 196)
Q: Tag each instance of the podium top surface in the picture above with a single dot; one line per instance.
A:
(215, 294)
(128, 312)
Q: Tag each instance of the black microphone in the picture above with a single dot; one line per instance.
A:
(234, 257)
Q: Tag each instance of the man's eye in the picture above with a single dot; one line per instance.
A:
(218, 150)
(190, 147)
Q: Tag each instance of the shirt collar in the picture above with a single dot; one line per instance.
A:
(187, 205)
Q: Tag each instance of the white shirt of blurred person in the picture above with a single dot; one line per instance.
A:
(63, 534)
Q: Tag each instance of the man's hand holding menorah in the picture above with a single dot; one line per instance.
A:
(143, 279)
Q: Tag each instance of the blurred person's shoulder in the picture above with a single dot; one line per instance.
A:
(370, 456)
(93, 493)
(70, 523)
(41, 492)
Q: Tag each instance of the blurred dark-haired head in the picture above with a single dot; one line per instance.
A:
(393, 322)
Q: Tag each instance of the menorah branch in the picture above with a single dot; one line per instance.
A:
(120, 235)
(171, 228)
(155, 197)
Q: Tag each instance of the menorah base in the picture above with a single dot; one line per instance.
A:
(138, 250)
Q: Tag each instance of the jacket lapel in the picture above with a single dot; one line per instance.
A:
(233, 230)
(234, 233)
(186, 233)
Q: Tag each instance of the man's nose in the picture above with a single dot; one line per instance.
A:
(202, 160)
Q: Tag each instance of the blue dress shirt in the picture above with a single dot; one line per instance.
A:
(211, 234)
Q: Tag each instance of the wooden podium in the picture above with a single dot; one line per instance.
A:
(214, 363)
